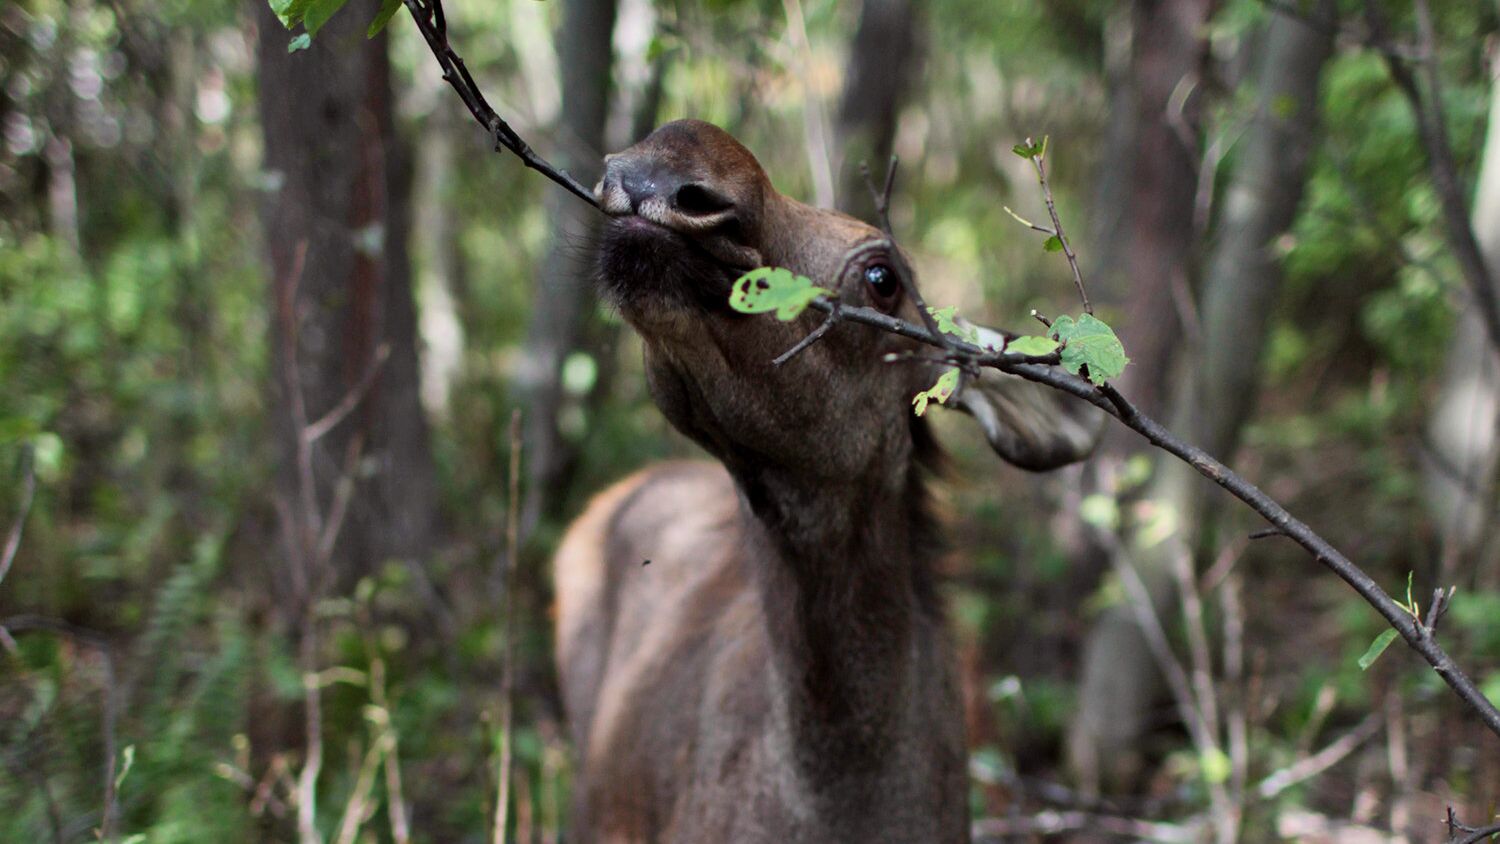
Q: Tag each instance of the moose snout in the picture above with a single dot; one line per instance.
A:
(648, 188)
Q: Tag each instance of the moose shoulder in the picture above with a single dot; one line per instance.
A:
(780, 672)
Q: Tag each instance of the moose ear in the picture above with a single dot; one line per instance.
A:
(1030, 425)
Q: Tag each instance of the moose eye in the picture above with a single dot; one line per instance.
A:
(883, 284)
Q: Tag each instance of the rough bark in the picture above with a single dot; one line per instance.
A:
(341, 191)
(1120, 683)
(884, 58)
(1463, 432)
(564, 284)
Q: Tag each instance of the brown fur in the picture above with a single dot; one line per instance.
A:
(780, 671)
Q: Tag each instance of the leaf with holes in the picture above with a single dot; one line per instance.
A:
(947, 322)
(940, 391)
(1032, 345)
(768, 289)
(1376, 648)
(1090, 343)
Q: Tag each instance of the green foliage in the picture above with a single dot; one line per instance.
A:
(1386, 637)
(940, 391)
(946, 319)
(1030, 150)
(774, 289)
(388, 9)
(1377, 648)
(1090, 347)
(1032, 345)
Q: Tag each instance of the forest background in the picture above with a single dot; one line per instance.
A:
(268, 306)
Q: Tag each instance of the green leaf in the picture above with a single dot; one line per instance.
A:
(388, 8)
(946, 319)
(1053, 244)
(1032, 345)
(1091, 343)
(1377, 648)
(301, 42)
(289, 12)
(1029, 150)
(320, 12)
(940, 391)
(768, 289)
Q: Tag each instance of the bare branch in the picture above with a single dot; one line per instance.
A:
(433, 25)
(1039, 162)
(814, 336)
(330, 420)
(1310, 766)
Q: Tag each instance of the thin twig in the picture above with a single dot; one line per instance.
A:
(432, 23)
(1039, 162)
(814, 336)
(1310, 766)
(330, 420)
(1459, 833)
(1435, 612)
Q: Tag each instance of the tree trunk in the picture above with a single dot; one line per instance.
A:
(1120, 682)
(1459, 461)
(564, 285)
(884, 58)
(336, 227)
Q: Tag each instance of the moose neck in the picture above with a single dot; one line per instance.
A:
(845, 574)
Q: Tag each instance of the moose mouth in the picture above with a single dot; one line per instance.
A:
(645, 262)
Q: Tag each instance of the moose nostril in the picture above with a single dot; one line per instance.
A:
(698, 200)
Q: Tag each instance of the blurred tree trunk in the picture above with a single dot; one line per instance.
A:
(1459, 461)
(1150, 259)
(884, 59)
(443, 286)
(1120, 683)
(341, 191)
(564, 297)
